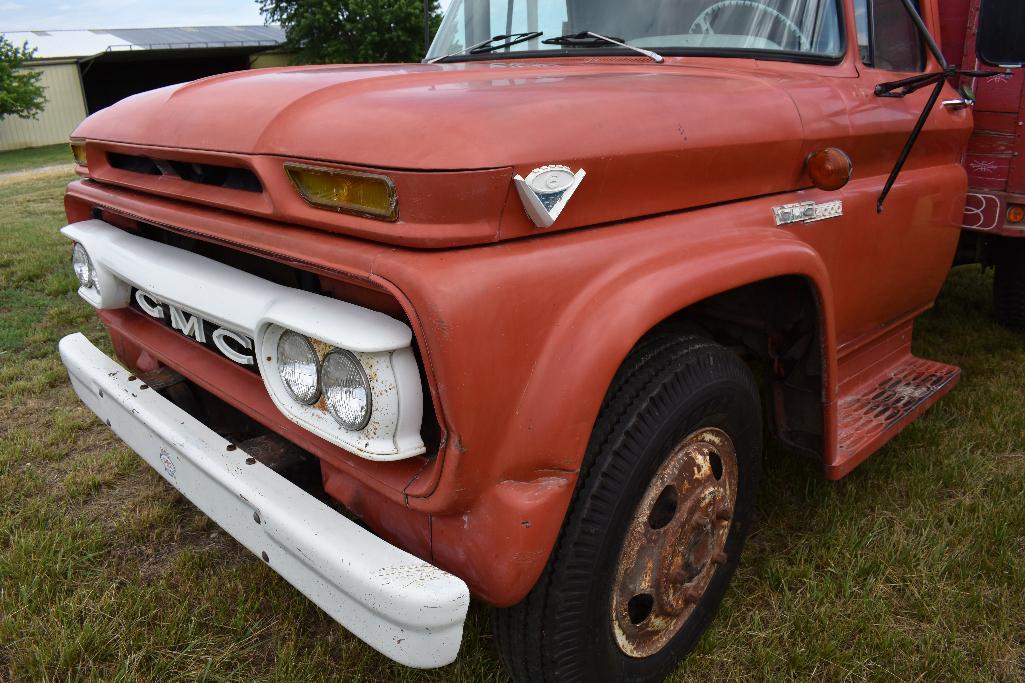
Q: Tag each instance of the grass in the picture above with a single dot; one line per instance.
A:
(910, 569)
(24, 159)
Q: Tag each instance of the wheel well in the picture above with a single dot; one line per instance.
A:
(775, 326)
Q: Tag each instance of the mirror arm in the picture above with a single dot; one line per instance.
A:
(910, 144)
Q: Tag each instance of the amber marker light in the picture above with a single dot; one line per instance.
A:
(830, 168)
(361, 194)
(1015, 214)
(78, 151)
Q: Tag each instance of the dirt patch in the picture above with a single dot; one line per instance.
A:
(57, 170)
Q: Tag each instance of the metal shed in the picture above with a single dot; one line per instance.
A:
(87, 70)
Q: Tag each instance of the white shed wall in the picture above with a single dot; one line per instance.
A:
(65, 109)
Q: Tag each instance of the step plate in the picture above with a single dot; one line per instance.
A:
(874, 416)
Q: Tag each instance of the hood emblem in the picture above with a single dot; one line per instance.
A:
(547, 191)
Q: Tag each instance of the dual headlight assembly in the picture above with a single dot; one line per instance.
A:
(333, 379)
(310, 372)
(362, 392)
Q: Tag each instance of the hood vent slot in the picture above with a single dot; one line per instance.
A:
(227, 177)
(128, 162)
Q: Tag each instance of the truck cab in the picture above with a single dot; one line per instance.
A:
(525, 310)
(977, 33)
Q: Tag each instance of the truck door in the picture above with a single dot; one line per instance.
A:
(890, 265)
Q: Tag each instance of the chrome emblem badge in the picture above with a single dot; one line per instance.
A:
(233, 345)
(807, 212)
(547, 191)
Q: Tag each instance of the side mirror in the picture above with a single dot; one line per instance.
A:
(1001, 37)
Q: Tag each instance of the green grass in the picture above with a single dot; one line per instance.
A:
(910, 569)
(25, 159)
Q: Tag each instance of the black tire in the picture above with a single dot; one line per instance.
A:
(1009, 284)
(668, 387)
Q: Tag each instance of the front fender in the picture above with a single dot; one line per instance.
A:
(606, 320)
(523, 340)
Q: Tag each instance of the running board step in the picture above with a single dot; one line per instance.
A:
(877, 410)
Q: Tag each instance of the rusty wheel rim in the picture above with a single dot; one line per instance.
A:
(675, 542)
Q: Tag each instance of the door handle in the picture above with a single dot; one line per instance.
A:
(962, 103)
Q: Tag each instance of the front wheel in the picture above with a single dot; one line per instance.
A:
(656, 526)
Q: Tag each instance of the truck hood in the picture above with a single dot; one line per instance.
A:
(652, 138)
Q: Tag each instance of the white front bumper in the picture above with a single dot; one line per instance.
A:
(401, 606)
(258, 308)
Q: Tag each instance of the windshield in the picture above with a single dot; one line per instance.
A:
(801, 27)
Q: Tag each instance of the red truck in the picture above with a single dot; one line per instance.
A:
(994, 221)
(526, 310)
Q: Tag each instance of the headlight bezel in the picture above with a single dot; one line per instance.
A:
(393, 410)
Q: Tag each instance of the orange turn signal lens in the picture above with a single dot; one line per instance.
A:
(362, 194)
(830, 168)
(1015, 214)
(78, 151)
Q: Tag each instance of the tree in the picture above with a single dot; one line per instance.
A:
(20, 92)
(352, 31)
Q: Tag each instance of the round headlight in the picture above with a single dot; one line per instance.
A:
(346, 389)
(298, 367)
(83, 266)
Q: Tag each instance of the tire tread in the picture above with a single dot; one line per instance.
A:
(540, 638)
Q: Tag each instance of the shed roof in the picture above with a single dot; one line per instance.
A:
(85, 43)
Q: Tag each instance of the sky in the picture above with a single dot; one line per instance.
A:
(28, 15)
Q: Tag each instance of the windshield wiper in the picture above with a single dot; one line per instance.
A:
(489, 44)
(592, 39)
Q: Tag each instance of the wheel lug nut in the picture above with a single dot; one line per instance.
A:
(691, 595)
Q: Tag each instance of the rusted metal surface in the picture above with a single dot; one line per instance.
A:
(287, 459)
(274, 452)
(675, 542)
(161, 379)
(871, 414)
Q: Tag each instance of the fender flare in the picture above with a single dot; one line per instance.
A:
(614, 313)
